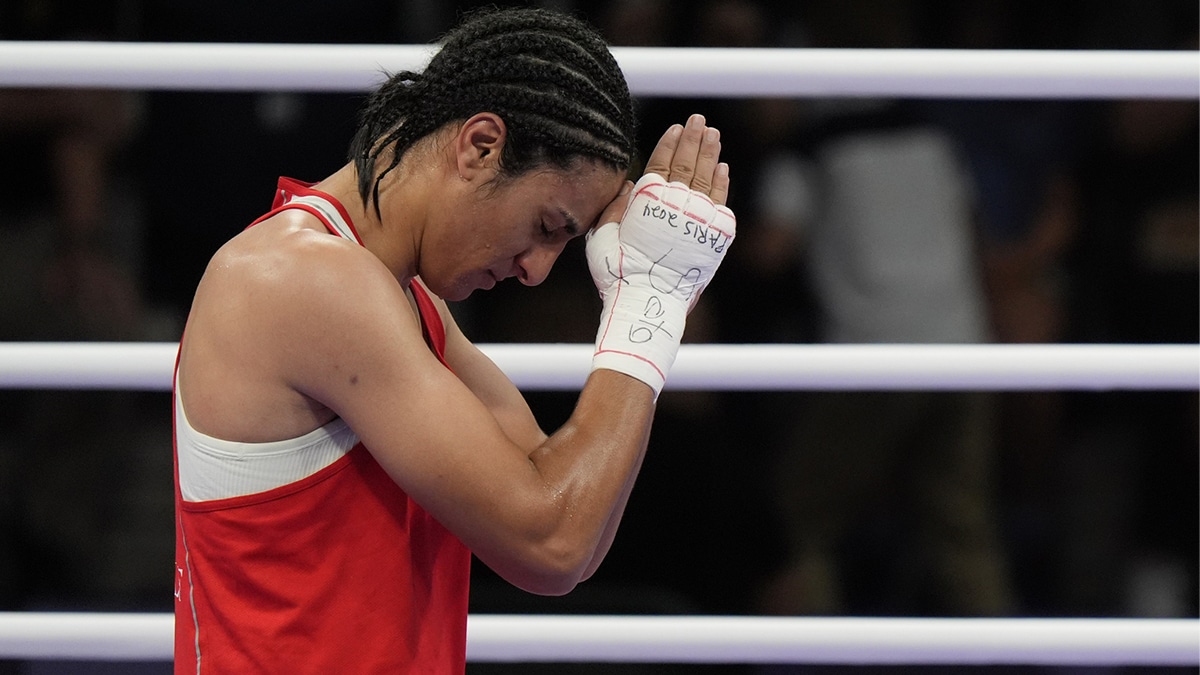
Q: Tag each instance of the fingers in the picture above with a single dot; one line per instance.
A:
(705, 166)
(690, 154)
(720, 188)
(684, 163)
(660, 158)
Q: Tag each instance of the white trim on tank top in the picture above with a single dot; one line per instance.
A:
(212, 468)
(332, 217)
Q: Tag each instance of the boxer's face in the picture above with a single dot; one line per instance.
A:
(515, 228)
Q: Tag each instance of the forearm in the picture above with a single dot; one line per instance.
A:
(594, 454)
(653, 253)
(614, 519)
(589, 465)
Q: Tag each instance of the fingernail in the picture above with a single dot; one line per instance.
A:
(712, 135)
(722, 169)
(696, 121)
(625, 188)
(675, 130)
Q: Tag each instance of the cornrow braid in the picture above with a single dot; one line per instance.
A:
(550, 76)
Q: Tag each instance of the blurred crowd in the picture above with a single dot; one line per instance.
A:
(860, 221)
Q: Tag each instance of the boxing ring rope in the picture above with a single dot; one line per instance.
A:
(650, 71)
(506, 638)
(728, 367)
(668, 72)
(689, 639)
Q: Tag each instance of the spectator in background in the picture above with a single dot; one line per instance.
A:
(74, 467)
(63, 147)
(1020, 155)
(901, 477)
(893, 261)
(68, 241)
(1138, 281)
(1068, 198)
(1129, 476)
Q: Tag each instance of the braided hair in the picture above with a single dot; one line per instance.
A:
(549, 76)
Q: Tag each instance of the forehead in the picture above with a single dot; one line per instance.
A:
(578, 193)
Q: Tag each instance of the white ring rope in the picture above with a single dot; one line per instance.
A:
(689, 639)
(650, 71)
(727, 367)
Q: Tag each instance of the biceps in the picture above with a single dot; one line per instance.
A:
(494, 390)
(441, 445)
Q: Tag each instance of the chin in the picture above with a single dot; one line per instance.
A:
(461, 288)
(456, 293)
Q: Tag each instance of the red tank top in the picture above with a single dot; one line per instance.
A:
(339, 572)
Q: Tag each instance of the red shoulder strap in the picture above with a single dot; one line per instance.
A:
(431, 321)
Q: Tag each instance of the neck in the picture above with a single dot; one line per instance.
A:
(396, 244)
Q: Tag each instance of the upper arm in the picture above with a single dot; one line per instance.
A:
(363, 356)
(289, 331)
(489, 384)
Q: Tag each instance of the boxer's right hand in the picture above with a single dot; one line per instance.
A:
(651, 266)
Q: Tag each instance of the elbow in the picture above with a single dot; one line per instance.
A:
(551, 587)
(544, 545)
(556, 569)
(547, 568)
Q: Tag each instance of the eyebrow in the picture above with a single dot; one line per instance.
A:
(572, 226)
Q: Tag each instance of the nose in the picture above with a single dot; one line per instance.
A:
(533, 266)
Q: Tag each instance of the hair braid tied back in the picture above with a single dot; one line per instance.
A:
(550, 76)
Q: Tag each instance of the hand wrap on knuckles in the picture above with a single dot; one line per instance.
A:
(650, 269)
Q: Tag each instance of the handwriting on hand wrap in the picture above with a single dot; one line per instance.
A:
(699, 232)
(644, 330)
(665, 272)
(716, 239)
(661, 213)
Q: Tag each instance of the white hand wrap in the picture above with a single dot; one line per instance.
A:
(650, 269)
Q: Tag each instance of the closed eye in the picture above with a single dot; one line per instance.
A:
(571, 225)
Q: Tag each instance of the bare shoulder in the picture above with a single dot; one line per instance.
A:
(277, 305)
(285, 250)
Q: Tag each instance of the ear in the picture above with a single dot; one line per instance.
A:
(478, 144)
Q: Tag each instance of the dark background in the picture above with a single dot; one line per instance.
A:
(111, 203)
